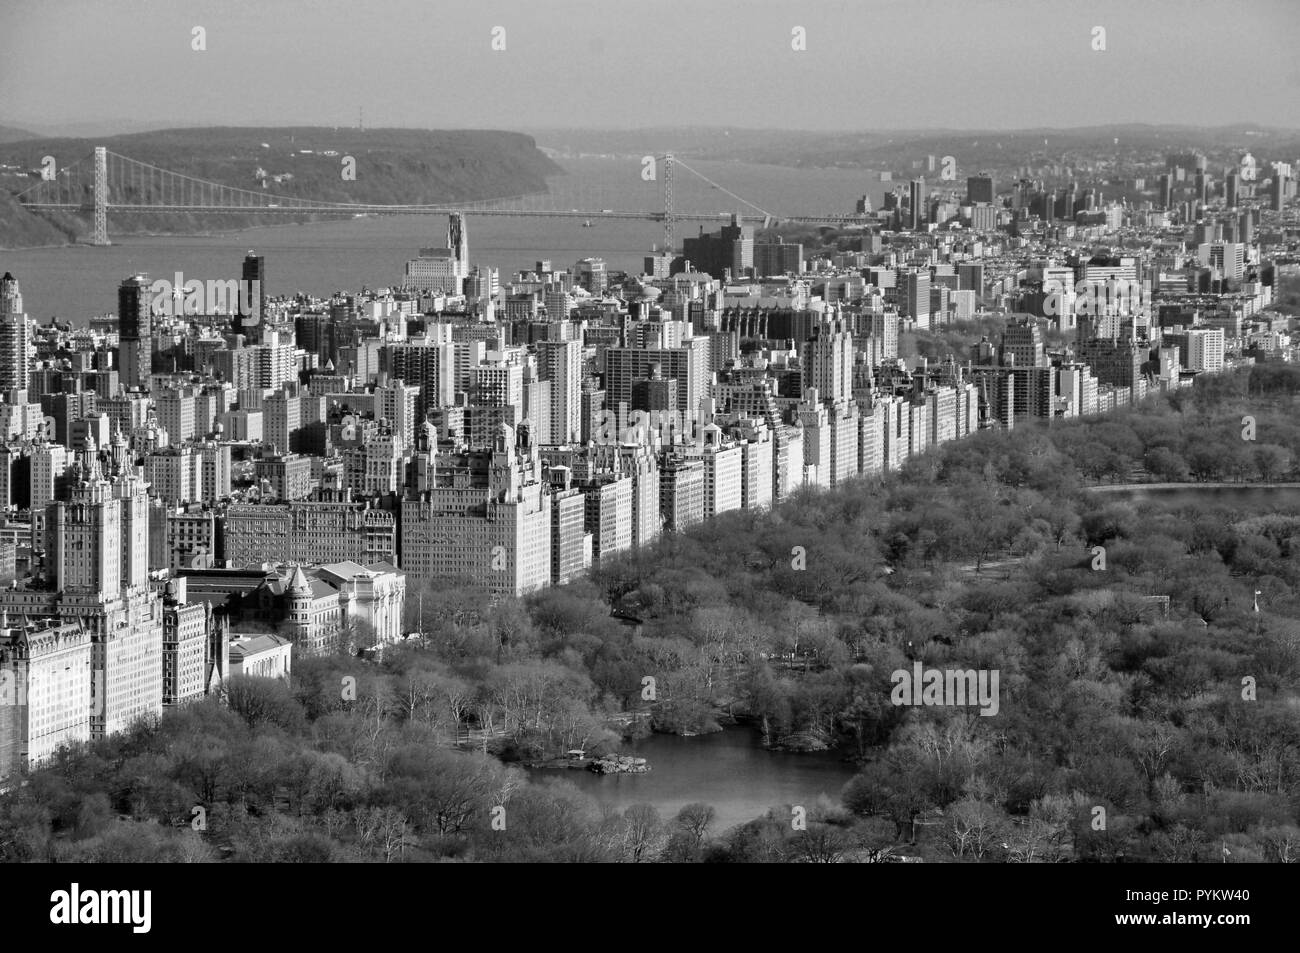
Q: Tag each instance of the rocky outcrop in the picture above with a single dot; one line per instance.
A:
(802, 741)
(619, 764)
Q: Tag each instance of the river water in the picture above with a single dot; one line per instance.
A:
(727, 769)
(323, 257)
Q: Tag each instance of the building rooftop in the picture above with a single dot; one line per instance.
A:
(246, 646)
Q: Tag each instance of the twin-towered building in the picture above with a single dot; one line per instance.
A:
(94, 643)
(96, 581)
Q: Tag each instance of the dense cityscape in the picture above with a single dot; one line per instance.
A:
(213, 483)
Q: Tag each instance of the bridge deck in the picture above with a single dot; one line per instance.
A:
(443, 210)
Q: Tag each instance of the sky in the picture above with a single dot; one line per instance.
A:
(626, 64)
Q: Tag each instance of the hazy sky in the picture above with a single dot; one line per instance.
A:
(630, 63)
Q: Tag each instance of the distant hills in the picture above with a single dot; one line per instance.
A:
(436, 166)
(897, 149)
(393, 166)
(14, 134)
(94, 127)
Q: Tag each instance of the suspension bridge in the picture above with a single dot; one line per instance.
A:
(104, 183)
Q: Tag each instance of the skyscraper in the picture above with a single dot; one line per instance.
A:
(591, 274)
(458, 243)
(688, 365)
(914, 297)
(979, 188)
(254, 292)
(442, 269)
(1023, 345)
(1246, 226)
(970, 277)
(828, 361)
(560, 362)
(135, 332)
(15, 337)
(916, 200)
(97, 546)
(485, 518)
(730, 248)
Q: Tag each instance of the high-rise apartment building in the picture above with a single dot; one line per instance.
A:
(778, 258)
(15, 338)
(438, 269)
(827, 359)
(97, 560)
(253, 294)
(560, 362)
(980, 188)
(438, 369)
(484, 519)
(1166, 190)
(730, 249)
(281, 420)
(681, 493)
(135, 332)
(308, 532)
(916, 204)
(915, 297)
(45, 692)
(186, 633)
(688, 365)
(592, 274)
(1023, 345)
(1205, 349)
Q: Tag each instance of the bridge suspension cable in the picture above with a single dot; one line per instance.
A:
(724, 190)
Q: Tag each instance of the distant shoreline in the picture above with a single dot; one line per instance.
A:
(1122, 487)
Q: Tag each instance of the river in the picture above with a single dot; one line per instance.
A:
(728, 769)
(323, 257)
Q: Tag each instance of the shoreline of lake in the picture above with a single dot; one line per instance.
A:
(729, 769)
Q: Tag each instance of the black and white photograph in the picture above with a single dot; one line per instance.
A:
(776, 432)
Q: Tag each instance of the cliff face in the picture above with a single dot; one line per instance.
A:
(393, 166)
(20, 228)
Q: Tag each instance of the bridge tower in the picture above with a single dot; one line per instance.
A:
(668, 204)
(100, 234)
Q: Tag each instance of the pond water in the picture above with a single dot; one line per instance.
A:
(728, 769)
